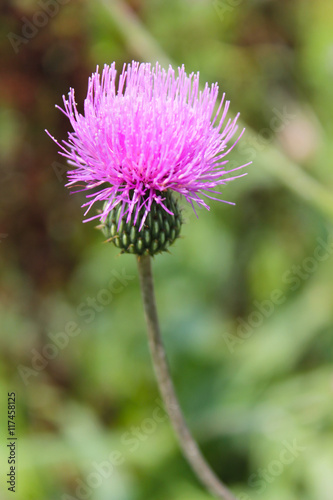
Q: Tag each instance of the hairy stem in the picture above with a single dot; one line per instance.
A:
(187, 443)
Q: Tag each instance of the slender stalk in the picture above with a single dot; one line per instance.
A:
(187, 442)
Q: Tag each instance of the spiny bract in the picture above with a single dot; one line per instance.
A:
(159, 231)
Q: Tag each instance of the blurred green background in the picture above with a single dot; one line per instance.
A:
(245, 299)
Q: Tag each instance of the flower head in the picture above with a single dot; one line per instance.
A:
(153, 132)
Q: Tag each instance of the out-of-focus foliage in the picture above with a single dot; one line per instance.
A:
(245, 299)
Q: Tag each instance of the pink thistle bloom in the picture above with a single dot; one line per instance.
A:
(152, 132)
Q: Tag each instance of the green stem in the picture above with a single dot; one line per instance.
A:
(186, 441)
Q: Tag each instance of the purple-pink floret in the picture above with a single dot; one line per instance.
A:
(153, 131)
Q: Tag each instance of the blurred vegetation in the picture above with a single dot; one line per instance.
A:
(253, 372)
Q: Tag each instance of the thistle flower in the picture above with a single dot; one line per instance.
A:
(138, 142)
